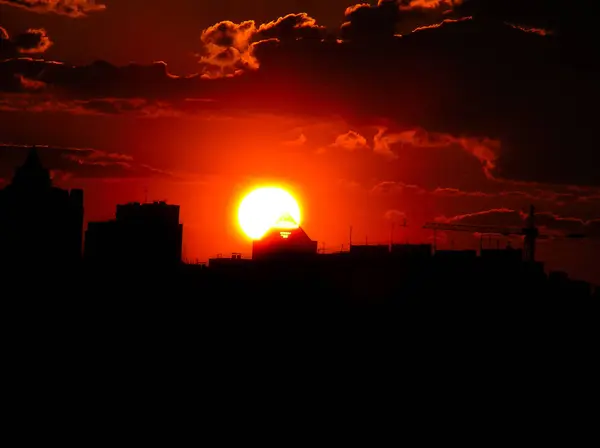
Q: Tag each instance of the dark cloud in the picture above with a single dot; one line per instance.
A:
(228, 48)
(79, 163)
(565, 18)
(367, 22)
(388, 18)
(291, 27)
(33, 41)
(71, 8)
(517, 101)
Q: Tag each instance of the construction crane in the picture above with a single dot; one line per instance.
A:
(393, 227)
(530, 232)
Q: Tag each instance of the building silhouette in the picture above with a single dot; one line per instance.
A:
(141, 235)
(40, 225)
(284, 243)
(141, 250)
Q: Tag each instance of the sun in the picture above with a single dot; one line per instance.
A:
(266, 208)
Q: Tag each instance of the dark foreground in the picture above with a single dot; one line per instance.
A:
(288, 354)
(189, 292)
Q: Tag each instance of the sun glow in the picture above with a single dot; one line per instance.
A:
(267, 208)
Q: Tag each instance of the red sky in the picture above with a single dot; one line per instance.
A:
(469, 121)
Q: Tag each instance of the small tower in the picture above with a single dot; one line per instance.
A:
(32, 175)
(531, 233)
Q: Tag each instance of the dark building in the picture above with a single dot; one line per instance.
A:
(142, 234)
(40, 225)
(369, 251)
(459, 257)
(412, 251)
(233, 263)
(508, 256)
(284, 243)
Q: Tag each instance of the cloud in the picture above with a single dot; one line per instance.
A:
(389, 187)
(366, 22)
(490, 191)
(428, 4)
(300, 141)
(456, 192)
(228, 48)
(497, 216)
(550, 15)
(528, 29)
(383, 141)
(389, 18)
(515, 100)
(387, 144)
(350, 141)
(32, 41)
(69, 163)
(291, 27)
(395, 216)
(446, 22)
(71, 8)
(485, 150)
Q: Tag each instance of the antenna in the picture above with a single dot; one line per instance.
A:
(350, 236)
(392, 235)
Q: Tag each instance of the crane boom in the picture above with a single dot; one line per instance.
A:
(529, 232)
(498, 230)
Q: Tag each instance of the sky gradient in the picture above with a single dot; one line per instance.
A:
(430, 110)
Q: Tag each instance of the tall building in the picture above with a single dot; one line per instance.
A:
(142, 234)
(40, 225)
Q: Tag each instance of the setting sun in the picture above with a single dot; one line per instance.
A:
(267, 208)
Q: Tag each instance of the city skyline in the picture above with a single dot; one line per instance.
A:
(467, 122)
(41, 234)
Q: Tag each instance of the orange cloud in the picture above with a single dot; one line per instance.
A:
(351, 141)
(485, 150)
(228, 48)
(430, 4)
(71, 8)
(528, 29)
(442, 23)
(32, 41)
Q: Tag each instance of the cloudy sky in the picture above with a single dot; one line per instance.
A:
(463, 111)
